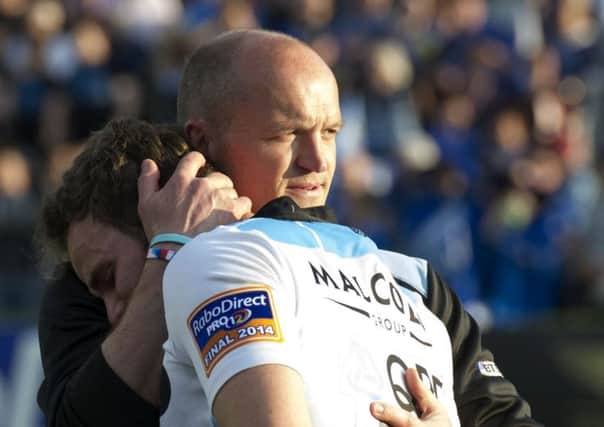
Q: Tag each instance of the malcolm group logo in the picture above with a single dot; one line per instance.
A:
(231, 319)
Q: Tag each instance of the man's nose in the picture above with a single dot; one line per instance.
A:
(312, 152)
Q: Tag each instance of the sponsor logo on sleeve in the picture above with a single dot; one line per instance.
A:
(231, 319)
(489, 369)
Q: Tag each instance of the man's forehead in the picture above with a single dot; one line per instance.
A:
(89, 243)
(293, 99)
(288, 112)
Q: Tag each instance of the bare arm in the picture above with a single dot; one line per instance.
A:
(273, 395)
(134, 349)
(263, 396)
(186, 205)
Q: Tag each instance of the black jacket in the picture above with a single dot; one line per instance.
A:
(79, 388)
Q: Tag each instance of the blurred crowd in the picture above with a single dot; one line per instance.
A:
(471, 132)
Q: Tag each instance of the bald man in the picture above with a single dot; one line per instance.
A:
(274, 136)
(273, 133)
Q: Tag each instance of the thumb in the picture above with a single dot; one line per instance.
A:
(391, 415)
(148, 180)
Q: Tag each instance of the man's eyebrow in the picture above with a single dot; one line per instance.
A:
(284, 123)
(289, 120)
(294, 120)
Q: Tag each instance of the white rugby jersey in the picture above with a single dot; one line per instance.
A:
(317, 297)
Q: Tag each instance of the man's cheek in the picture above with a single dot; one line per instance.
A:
(129, 275)
(124, 288)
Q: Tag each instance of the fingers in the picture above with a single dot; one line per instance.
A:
(190, 164)
(218, 180)
(433, 413)
(189, 169)
(391, 415)
(228, 208)
(148, 180)
(186, 171)
(243, 208)
(228, 199)
(425, 400)
(222, 194)
(188, 204)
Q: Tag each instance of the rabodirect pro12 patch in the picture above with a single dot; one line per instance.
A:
(231, 319)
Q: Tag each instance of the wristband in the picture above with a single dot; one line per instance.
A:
(179, 239)
(160, 253)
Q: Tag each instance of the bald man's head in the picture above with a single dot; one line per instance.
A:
(217, 75)
(263, 108)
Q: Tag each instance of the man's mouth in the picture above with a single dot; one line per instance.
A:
(307, 190)
(305, 187)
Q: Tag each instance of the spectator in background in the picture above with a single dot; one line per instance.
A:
(20, 285)
(66, 67)
(587, 258)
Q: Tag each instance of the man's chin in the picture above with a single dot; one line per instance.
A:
(305, 200)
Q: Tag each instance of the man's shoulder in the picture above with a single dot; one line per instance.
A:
(254, 229)
(319, 235)
(313, 235)
(409, 272)
(229, 245)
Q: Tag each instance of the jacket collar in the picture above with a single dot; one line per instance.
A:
(285, 208)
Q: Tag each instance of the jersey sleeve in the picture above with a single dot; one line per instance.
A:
(79, 387)
(229, 306)
(484, 396)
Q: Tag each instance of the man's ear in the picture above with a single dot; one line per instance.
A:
(196, 132)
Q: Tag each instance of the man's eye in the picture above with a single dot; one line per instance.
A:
(103, 280)
(284, 137)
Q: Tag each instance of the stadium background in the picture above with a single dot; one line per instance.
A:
(473, 138)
